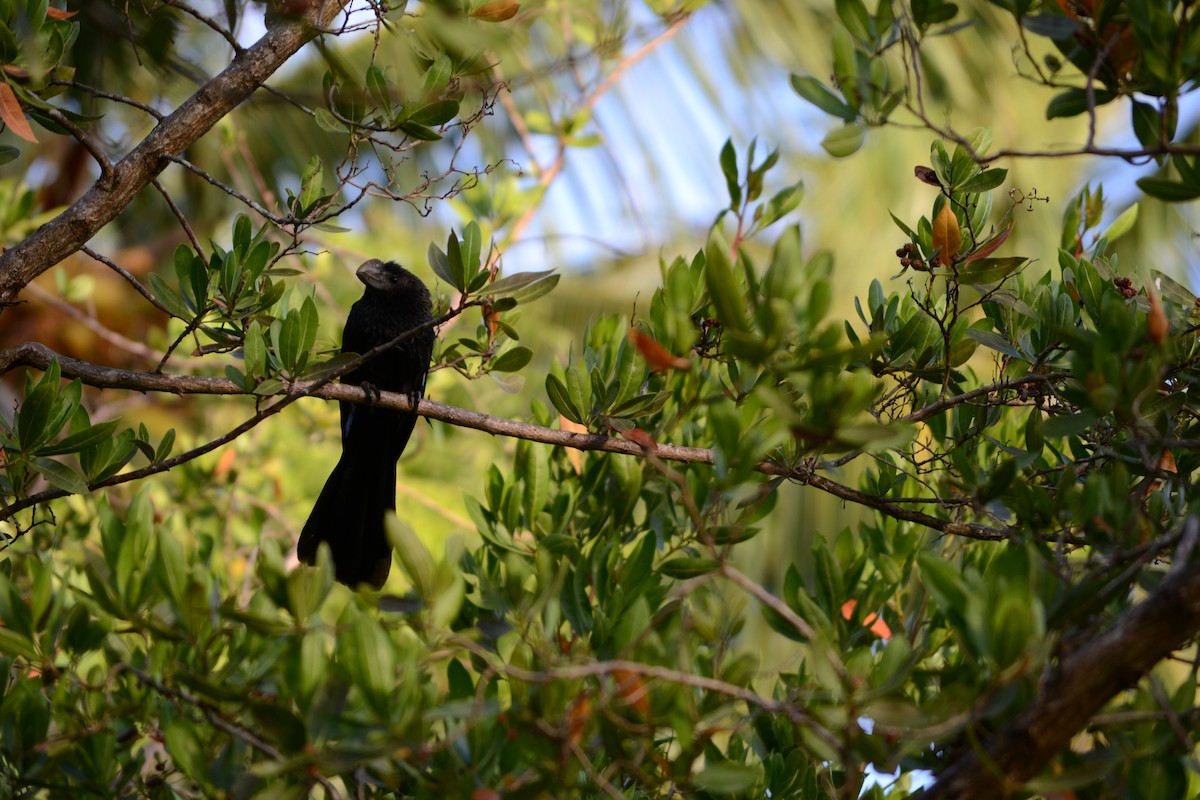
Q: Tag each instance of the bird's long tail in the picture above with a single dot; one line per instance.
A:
(348, 514)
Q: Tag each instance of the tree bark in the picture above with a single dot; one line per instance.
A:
(1081, 683)
(117, 186)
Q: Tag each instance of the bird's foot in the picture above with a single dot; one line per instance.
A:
(371, 392)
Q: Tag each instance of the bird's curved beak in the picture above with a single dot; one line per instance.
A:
(371, 273)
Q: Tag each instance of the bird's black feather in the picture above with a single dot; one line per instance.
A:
(348, 514)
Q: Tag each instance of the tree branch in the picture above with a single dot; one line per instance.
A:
(34, 354)
(114, 190)
(1082, 682)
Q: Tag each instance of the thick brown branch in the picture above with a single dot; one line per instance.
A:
(114, 190)
(1080, 684)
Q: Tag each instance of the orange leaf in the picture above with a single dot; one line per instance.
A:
(498, 11)
(946, 236)
(658, 358)
(641, 437)
(491, 318)
(13, 116)
(633, 690)
(225, 463)
(1156, 323)
(578, 714)
(877, 626)
(872, 621)
(58, 13)
(573, 455)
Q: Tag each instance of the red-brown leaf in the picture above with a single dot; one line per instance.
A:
(639, 436)
(657, 357)
(632, 690)
(991, 245)
(58, 13)
(13, 116)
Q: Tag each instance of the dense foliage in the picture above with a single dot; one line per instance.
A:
(1011, 614)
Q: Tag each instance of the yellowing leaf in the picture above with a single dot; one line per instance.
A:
(1157, 325)
(946, 236)
(498, 11)
(12, 115)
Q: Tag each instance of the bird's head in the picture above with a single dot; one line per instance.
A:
(388, 276)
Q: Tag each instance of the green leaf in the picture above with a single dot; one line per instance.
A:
(1147, 122)
(414, 556)
(280, 725)
(727, 778)
(419, 132)
(378, 86)
(723, 288)
(512, 360)
(439, 263)
(560, 398)
(436, 77)
(512, 284)
(164, 447)
(254, 351)
(328, 366)
(846, 140)
(1068, 424)
(685, 567)
(307, 590)
(822, 97)
(995, 341)
(1122, 224)
(256, 260)
(458, 270)
(369, 655)
(642, 405)
(853, 14)
(14, 644)
(989, 271)
(782, 202)
(33, 422)
(327, 122)
(91, 435)
(1170, 191)
(241, 233)
(175, 304)
(311, 186)
(436, 113)
(472, 249)
(309, 323)
(182, 743)
(730, 170)
(1073, 102)
(985, 181)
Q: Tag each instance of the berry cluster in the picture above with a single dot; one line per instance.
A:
(1125, 287)
(909, 257)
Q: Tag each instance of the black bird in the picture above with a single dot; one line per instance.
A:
(362, 487)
